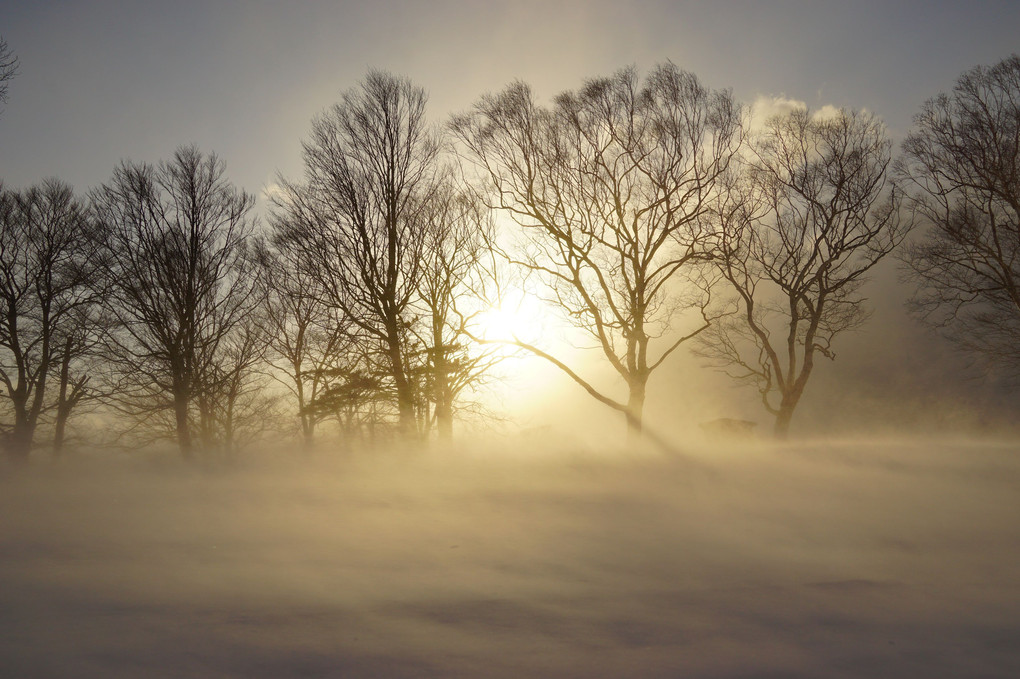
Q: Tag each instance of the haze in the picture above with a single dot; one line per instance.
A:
(511, 525)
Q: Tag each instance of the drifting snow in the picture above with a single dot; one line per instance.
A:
(828, 560)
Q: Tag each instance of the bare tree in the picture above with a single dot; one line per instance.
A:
(78, 366)
(457, 227)
(235, 405)
(798, 233)
(8, 69)
(608, 187)
(963, 162)
(356, 218)
(48, 259)
(308, 342)
(183, 284)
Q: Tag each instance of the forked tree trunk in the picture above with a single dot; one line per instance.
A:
(791, 397)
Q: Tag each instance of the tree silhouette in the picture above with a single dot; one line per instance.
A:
(963, 163)
(8, 69)
(798, 232)
(369, 163)
(183, 286)
(308, 342)
(608, 187)
(456, 227)
(48, 262)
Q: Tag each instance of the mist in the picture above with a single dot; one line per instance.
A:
(509, 340)
(732, 559)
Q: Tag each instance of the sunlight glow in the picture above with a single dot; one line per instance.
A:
(526, 383)
(517, 316)
(499, 323)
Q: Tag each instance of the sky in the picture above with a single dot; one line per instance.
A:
(104, 81)
(101, 81)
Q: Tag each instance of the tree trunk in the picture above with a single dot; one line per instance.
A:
(781, 429)
(207, 426)
(306, 419)
(307, 426)
(405, 392)
(791, 398)
(229, 446)
(441, 382)
(183, 427)
(635, 409)
(19, 441)
(444, 421)
(63, 407)
(59, 428)
(18, 444)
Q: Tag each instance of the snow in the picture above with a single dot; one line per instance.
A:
(816, 559)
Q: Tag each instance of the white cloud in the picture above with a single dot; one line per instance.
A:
(826, 112)
(767, 106)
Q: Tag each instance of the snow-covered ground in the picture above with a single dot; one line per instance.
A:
(887, 559)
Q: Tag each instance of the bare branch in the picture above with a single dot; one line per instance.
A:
(962, 164)
(608, 187)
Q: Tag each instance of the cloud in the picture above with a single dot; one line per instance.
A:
(766, 106)
(826, 112)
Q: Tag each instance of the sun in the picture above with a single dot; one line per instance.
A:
(517, 317)
(501, 323)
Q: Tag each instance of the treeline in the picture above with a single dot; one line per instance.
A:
(651, 212)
